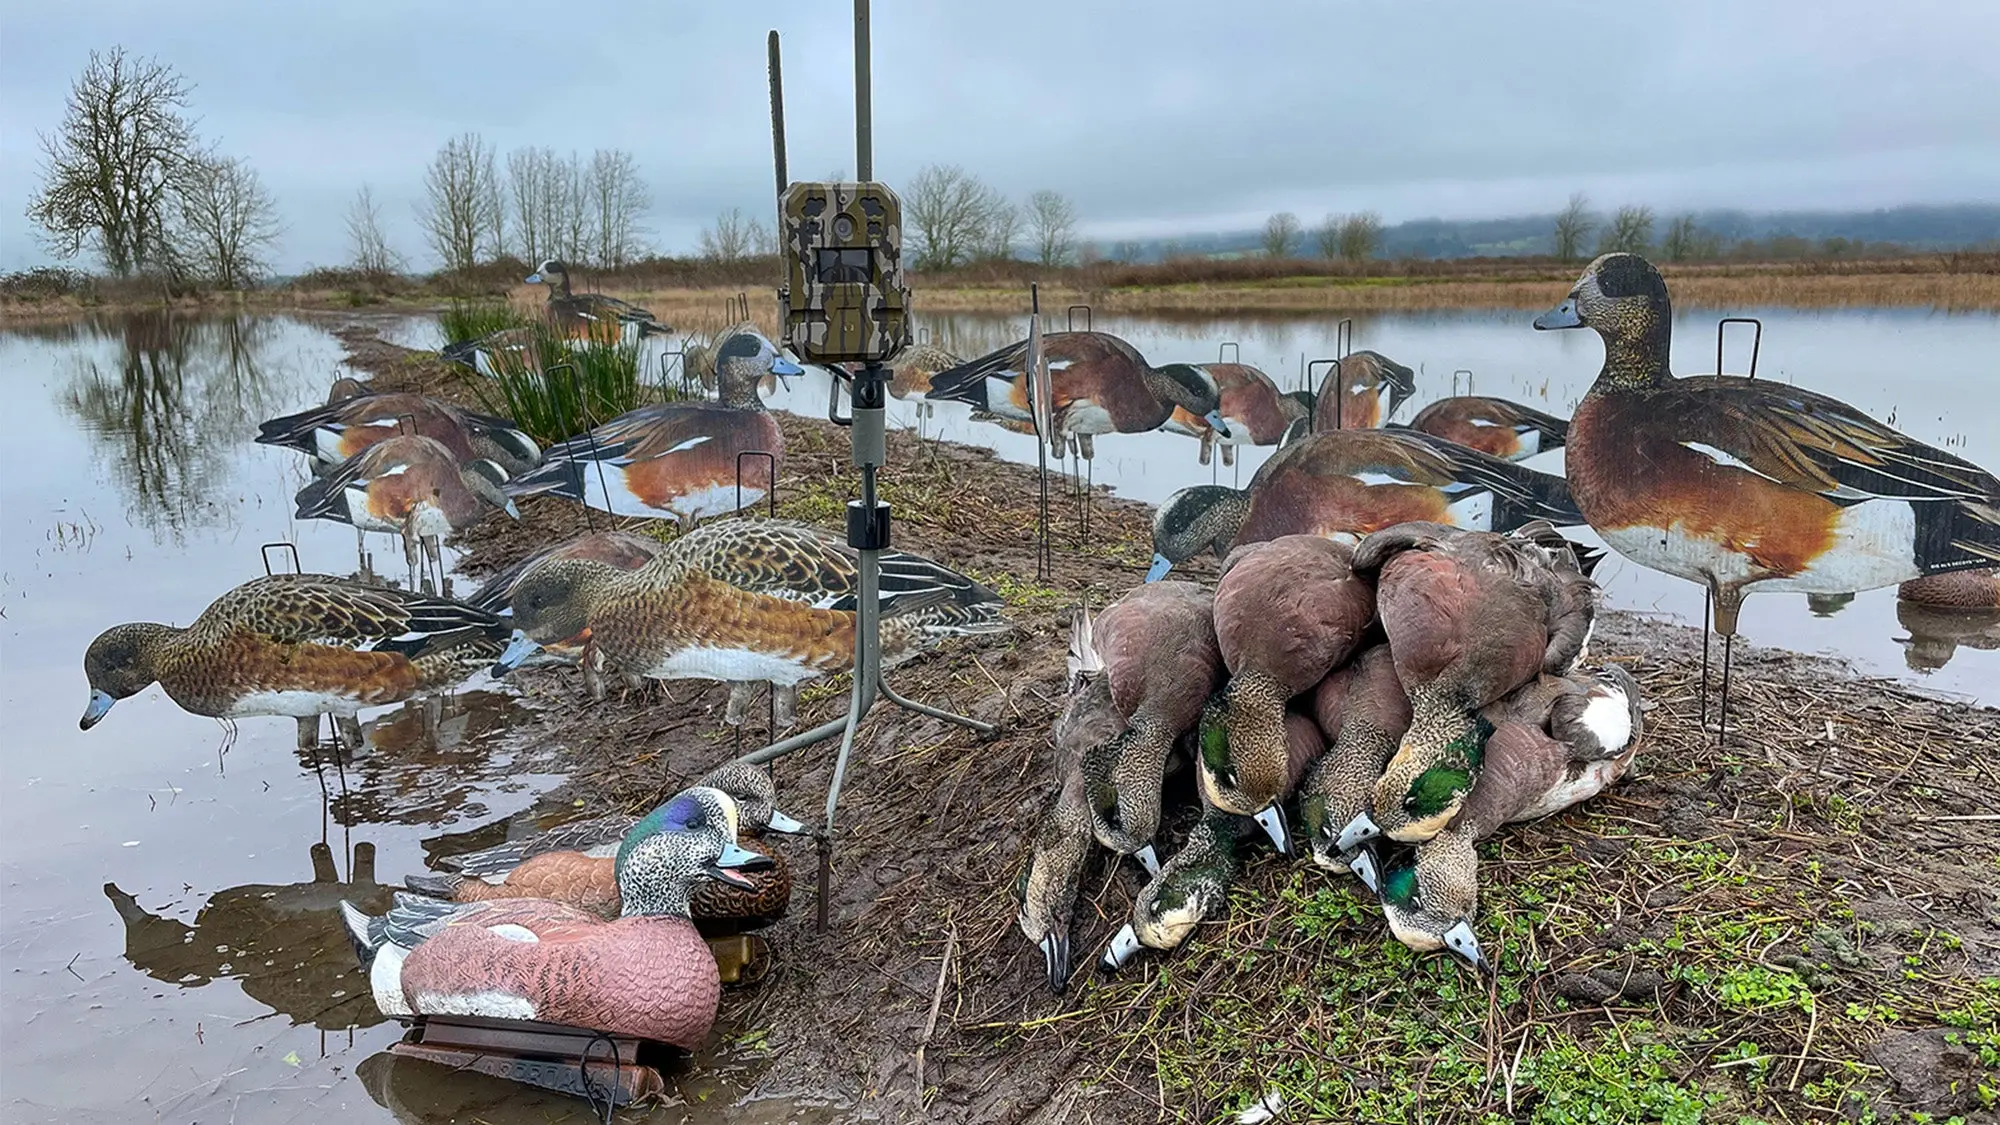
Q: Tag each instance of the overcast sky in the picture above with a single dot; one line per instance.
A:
(1170, 116)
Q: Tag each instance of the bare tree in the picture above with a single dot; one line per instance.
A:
(1327, 236)
(1631, 230)
(1052, 223)
(573, 243)
(461, 201)
(1126, 251)
(730, 239)
(1360, 236)
(1281, 233)
(947, 211)
(1002, 230)
(370, 248)
(617, 199)
(224, 222)
(1686, 241)
(109, 169)
(1573, 225)
(536, 180)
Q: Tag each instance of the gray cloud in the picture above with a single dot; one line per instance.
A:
(1156, 117)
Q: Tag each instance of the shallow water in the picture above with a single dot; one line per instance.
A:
(171, 943)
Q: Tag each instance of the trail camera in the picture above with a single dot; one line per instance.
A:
(844, 300)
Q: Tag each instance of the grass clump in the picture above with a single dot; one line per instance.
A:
(555, 387)
(474, 320)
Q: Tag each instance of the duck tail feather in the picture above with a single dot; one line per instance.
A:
(366, 932)
(435, 885)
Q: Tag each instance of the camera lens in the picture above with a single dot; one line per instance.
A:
(843, 227)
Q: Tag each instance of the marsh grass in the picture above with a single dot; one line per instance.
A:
(559, 387)
(473, 320)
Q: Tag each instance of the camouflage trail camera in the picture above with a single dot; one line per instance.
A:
(844, 300)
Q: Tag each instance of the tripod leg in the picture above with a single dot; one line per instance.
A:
(890, 694)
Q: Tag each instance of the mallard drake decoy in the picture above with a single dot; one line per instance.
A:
(350, 425)
(1287, 612)
(1344, 484)
(647, 973)
(298, 645)
(1555, 743)
(1470, 617)
(743, 601)
(1960, 589)
(1251, 405)
(1191, 888)
(1158, 647)
(1304, 743)
(1364, 712)
(620, 549)
(593, 316)
(1371, 388)
(682, 459)
(1504, 429)
(412, 487)
(1743, 484)
(1047, 888)
(1101, 385)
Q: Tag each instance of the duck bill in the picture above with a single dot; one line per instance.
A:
(734, 860)
(1562, 316)
(1148, 859)
(1055, 959)
(1215, 422)
(100, 706)
(518, 650)
(790, 826)
(1124, 946)
(1362, 828)
(1272, 821)
(1161, 565)
(786, 371)
(533, 279)
(1361, 864)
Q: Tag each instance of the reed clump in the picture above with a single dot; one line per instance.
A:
(555, 387)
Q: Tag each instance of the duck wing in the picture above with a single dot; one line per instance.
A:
(577, 835)
(319, 609)
(968, 382)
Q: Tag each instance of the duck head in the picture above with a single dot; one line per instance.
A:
(551, 607)
(485, 478)
(1430, 893)
(1425, 784)
(1046, 894)
(756, 796)
(1328, 803)
(1244, 751)
(1625, 299)
(1193, 389)
(741, 362)
(121, 663)
(692, 836)
(1204, 517)
(1122, 777)
(1192, 888)
(551, 273)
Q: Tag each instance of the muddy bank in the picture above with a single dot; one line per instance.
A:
(1797, 926)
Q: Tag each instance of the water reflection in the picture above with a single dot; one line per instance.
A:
(429, 762)
(1936, 634)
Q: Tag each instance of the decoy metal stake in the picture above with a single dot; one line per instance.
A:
(1756, 340)
(1089, 318)
(1465, 371)
(1707, 608)
(1224, 347)
(824, 847)
(1343, 337)
(282, 546)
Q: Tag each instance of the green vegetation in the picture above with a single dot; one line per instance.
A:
(475, 320)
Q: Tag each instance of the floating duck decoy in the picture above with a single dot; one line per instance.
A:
(297, 645)
(1371, 388)
(1191, 888)
(351, 424)
(1555, 743)
(1470, 617)
(647, 973)
(412, 487)
(681, 459)
(1364, 713)
(1504, 429)
(593, 316)
(1344, 484)
(1751, 484)
(1936, 633)
(1252, 407)
(742, 601)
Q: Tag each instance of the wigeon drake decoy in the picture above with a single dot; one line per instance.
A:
(742, 601)
(1470, 617)
(1252, 407)
(508, 351)
(1364, 712)
(1190, 888)
(593, 316)
(1287, 612)
(351, 424)
(297, 645)
(1750, 484)
(685, 460)
(412, 487)
(1553, 744)
(646, 974)
(1345, 484)
(620, 549)
(1371, 387)
(1497, 426)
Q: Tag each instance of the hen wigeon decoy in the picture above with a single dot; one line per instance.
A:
(680, 459)
(1190, 888)
(1556, 742)
(1100, 383)
(298, 645)
(1287, 612)
(1364, 712)
(1470, 617)
(412, 487)
(1255, 411)
(351, 424)
(593, 316)
(1158, 647)
(620, 549)
(1370, 389)
(911, 372)
(743, 601)
(1047, 888)
(1752, 484)
(1492, 425)
(1960, 589)
(1344, 484)
(646, 974)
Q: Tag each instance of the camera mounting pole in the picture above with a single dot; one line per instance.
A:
(845, 302)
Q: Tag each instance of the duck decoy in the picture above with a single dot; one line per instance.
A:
(297, 645)
(1960, 589)
(1751, 484)
(593, 316)
(1553, 744)
(1507, 430)
(350, 425)
(914, 367)
(1252, 407)
(508, 351)
(742, 601)
(620, 549)
(1363, 712)
(346, 387)
(681, 459)
(1047, 888)
(1370, 388)
(1287, 612)
(413, 487)
(1344, 484)
(1191, 888)
(1936, 633)
(1158, 647)
(647, 973)
(1470, 617)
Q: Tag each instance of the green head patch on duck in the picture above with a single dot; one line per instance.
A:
(1428, 895)
(692, 835)
(1192, 887)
